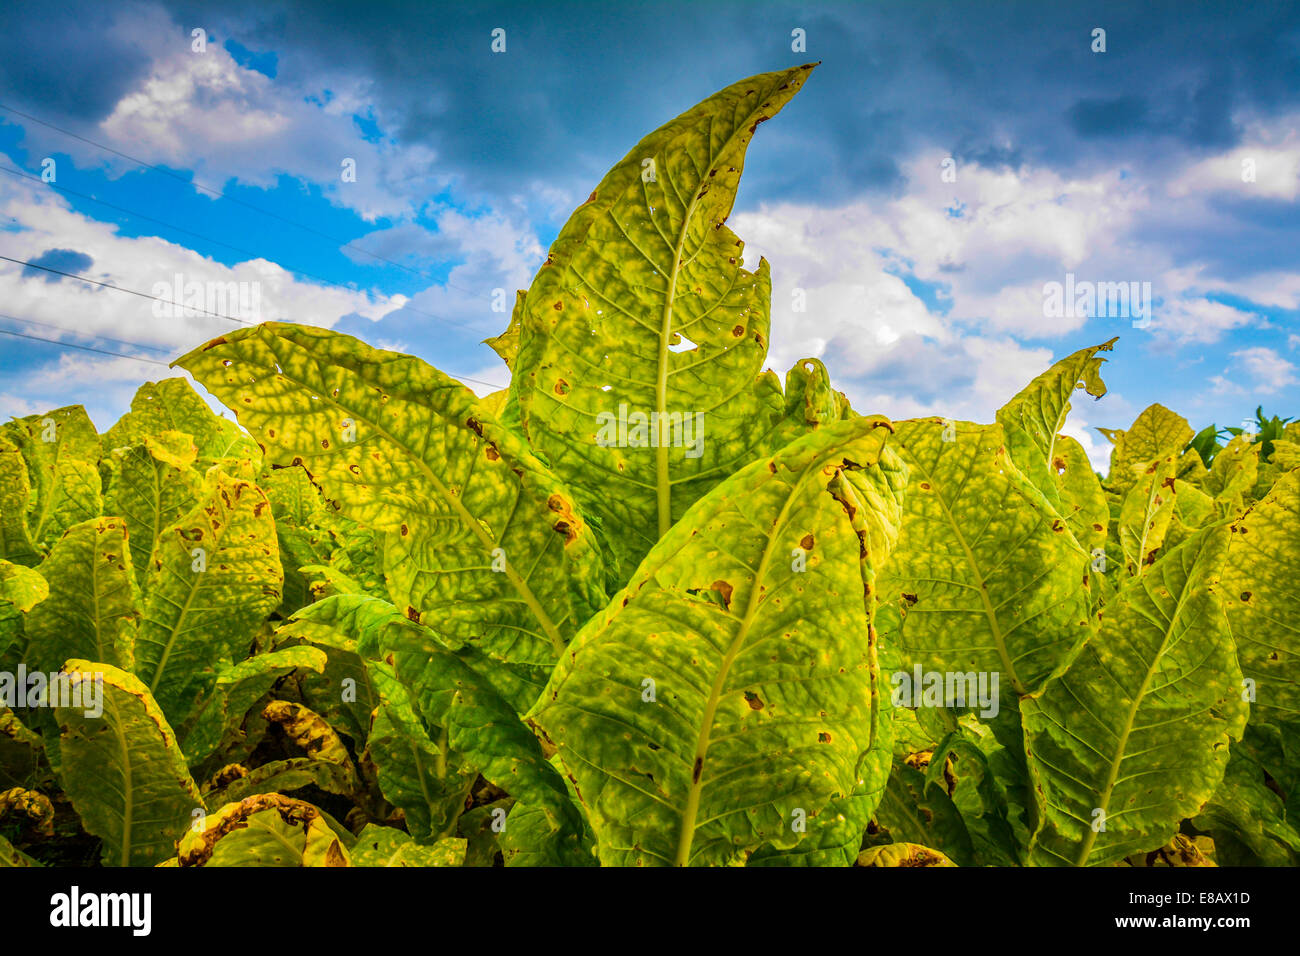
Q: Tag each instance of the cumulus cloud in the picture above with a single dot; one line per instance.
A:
(1263, 369)
(1265, 165)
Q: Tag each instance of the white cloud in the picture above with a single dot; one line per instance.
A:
(138, 263)
(884, 348)
(1199, 320)
(1265, 370)
(1265, 166)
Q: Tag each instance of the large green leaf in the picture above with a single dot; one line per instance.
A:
(1133, 736)
(153, 487)
(455, 711)
(834, 833)
(15, 492)
(172, 405)
(731, 688)
(405, 449)
(215, 579)
(61, 449)
(94, 605)
(123, 771)
(644, 307)
(986, 578)
(416, 773)
(1261, 587)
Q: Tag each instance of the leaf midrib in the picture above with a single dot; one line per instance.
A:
(989, 611)
(1090, 838)
(663, 478)
(689, 813)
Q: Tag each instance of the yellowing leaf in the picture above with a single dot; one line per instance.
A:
(172, 405)
(61, 449)
(733, 685)
(986, 577)
(1134, 735)
(903, 854)
(1261, 587)
(1156, 432)
(481, 538)
(1032, 421)
(216, 577)
(153, 487)
(122, 770)
(264, 830)
(94, 604)
(643, 307)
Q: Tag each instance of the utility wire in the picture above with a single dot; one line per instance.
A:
(109, 285)
(345, 244)
(87, 348)
(84, 348)
(86, 335)
(215, 242)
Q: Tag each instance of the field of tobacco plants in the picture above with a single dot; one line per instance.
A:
(649, 605)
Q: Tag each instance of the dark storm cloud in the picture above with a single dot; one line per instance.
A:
(1006, 83)
(68, 59)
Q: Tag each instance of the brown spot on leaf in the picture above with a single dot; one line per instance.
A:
(910, 598)
(806, 542)
(752, 699)
(699, 769)
(724, 590)
(823, 737)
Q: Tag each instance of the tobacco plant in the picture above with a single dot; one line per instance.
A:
(649, 605)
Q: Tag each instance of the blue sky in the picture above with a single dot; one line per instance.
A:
(924, 293)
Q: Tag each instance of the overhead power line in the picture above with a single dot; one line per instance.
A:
(109, 285)
(83, 348)
(139, 345)
(343, 243)
(216, 242)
